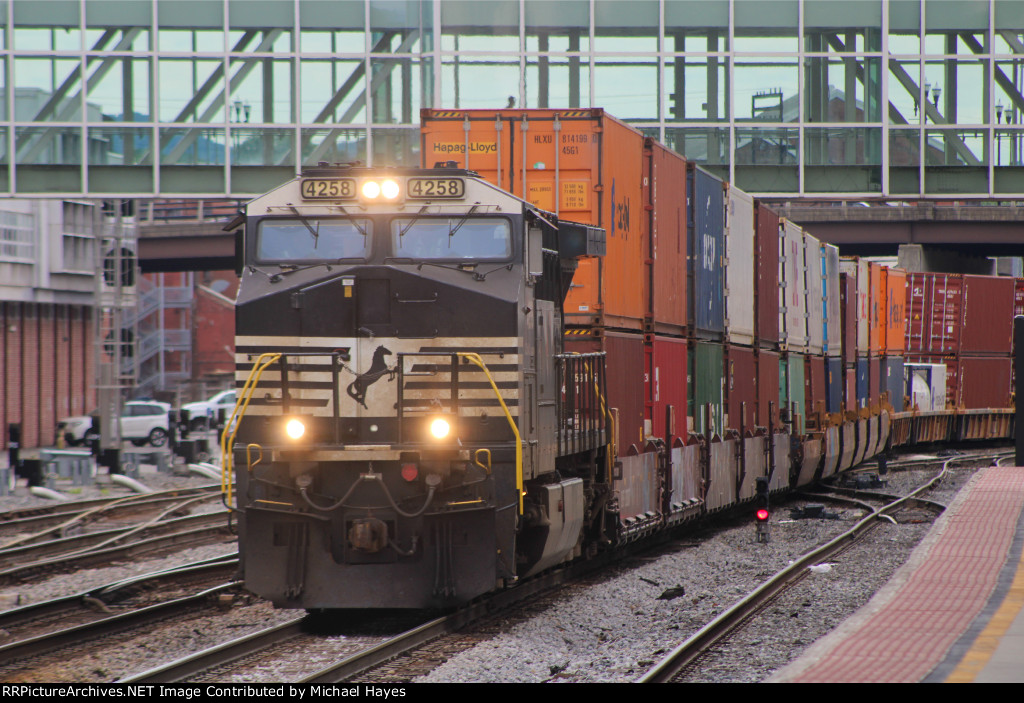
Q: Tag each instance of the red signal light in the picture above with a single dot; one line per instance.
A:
(762, 515)
(410, 472)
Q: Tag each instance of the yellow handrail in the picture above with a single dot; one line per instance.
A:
(227, 443)
(475, 358)
(612, 441)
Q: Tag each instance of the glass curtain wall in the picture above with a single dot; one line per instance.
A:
(856, 98)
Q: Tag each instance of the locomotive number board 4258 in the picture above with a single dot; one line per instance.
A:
(328, 188)
(430, 188)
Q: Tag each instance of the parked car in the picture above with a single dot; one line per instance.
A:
(203, 414)
(142, 421)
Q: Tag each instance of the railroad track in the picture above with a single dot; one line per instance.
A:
(36, 523)
(52, 654)
(675, 664)
(71, 553)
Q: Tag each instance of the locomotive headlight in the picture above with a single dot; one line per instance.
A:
(440, 428)
(295, 428)
(371, 190)
(384, 189)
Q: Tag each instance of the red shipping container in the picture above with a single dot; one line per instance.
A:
(667, 239)
(666, 384)
(625, 379)
(1018, 296)
(850, 397)
(815, 387)
(767, 386)
(767, 274)
(974, 382)
(988, 315)
(848, 306)
(741, 387)
(955, 313)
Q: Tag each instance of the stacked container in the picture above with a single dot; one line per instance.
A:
(834, 371)
(959, 320)
(766, 349)
(741, 312)
(586, 166)
(892, 290)
(858, 274)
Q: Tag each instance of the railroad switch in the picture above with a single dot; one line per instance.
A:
(812, 511)
(864, 480)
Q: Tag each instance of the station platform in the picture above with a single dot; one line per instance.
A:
(953, 613)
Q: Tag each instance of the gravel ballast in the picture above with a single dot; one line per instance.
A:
(612, 627)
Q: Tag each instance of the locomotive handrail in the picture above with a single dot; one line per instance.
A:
(475, 358)
(227, 442)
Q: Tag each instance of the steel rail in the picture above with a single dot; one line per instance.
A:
(109, 593)
(730, 620)
(63, 562)
(80, 634)
(99, 512)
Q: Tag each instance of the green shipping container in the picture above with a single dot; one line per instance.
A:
(705, 383)
(791, 385)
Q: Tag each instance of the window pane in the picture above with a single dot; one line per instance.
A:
(626, 26)
(313, 240)
(333, 91)
(557, 81)
(334, 146)
(397, 93)
(557, 25)
(479, 81)
(766, 89)
(696, 88)
(627, 88)
(266, 86)
(766, 25)
(474, 238)
(828, 82)
(467, 25)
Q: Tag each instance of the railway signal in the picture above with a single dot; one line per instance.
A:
(761, 512)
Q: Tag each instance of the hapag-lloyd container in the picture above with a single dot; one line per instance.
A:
(792, 289)
(833, 302)
(959, 314)
(767, 270)
(857, 270)
(585, 166)
(706, 248)
(739, 273)
(813, 268)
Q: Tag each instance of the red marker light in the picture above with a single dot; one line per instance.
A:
(410, 472)
(762, 515)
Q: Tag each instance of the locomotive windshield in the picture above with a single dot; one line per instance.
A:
(459, 237)
(313, 239)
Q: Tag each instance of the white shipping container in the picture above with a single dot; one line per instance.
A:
(857, 269)
(813, 267)
(792, 289)
(833, 308)
(926, 386)
(739, 271)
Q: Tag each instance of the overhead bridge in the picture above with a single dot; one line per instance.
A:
(190, 236)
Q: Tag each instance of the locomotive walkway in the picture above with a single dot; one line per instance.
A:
(953, 613)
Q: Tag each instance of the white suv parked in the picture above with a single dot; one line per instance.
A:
(203, 413)
(142, 421)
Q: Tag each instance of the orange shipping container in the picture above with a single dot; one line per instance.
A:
(584, 166)
(895, 310)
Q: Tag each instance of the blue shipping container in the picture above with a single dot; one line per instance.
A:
(863, 387)
(706, 251)
(893, 381)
